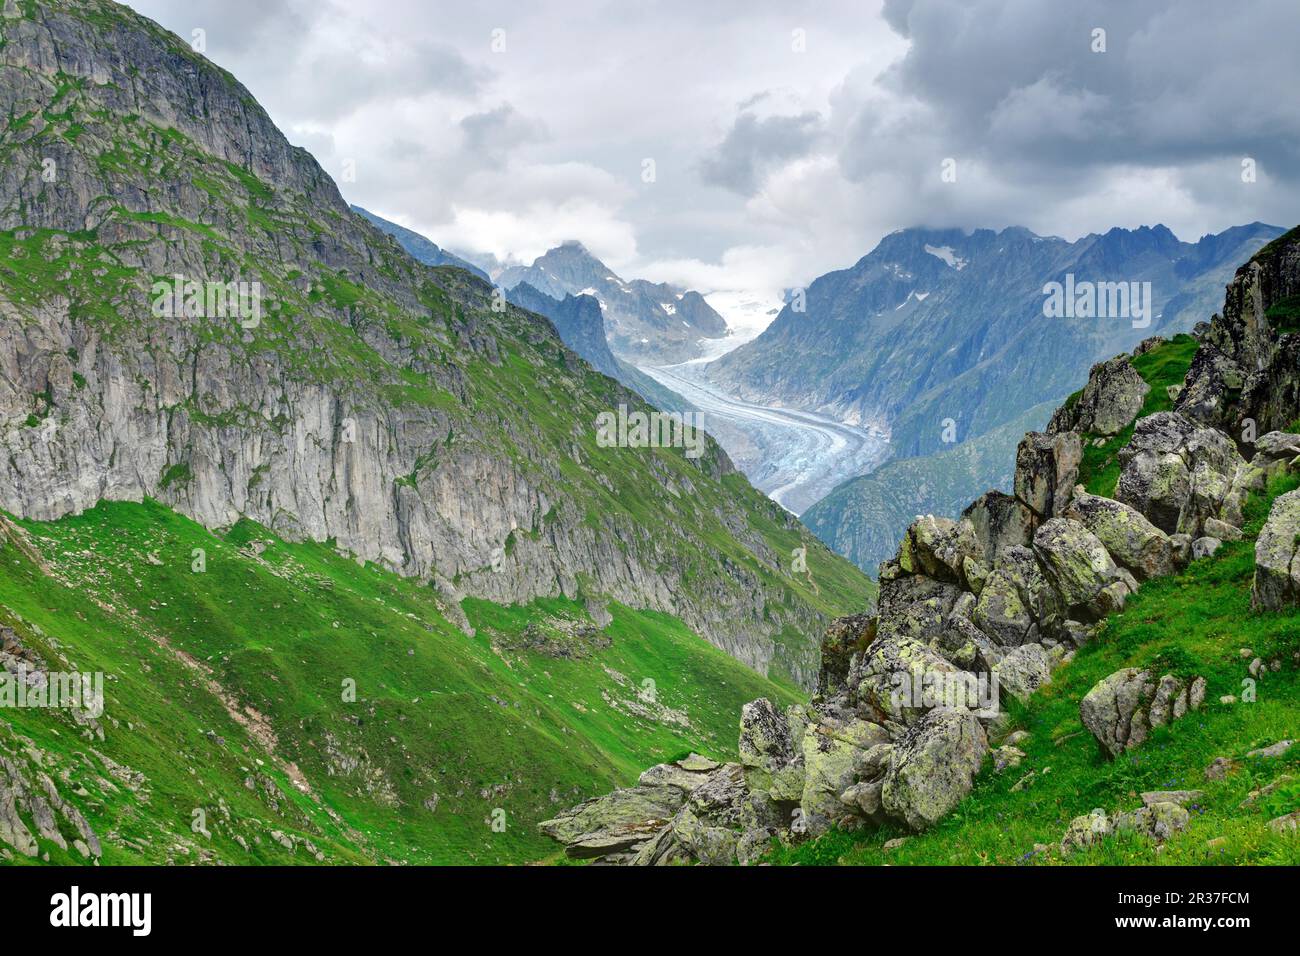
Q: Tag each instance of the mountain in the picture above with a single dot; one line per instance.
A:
(647, 323)
(331, 525)
(581, 324)
(935, 326)
(864, 517)
(420, 248)
(1042, 672)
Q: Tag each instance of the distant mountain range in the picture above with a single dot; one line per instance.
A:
(940, 339)
(935, 325)
(646, 322)
(420, 248)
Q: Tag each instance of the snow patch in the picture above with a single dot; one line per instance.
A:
(947, 254)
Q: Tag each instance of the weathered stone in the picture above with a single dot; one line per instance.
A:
(1078, 567)
(1205, 548)
(1177, 474)
(1131, 539)
(1273, 750)
(617, 821)
(1277, 557)
(831, 754)
(999, 521)
(1180, 797)
(938, 547)
(844, 637)
(1087, 830)
(1121, 709)
(1108, 403)
(1047, 468)
(934, 766)
(1022, 671)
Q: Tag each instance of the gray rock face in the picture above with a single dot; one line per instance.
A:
(934, 766)
(1131, 539)
(1121, 710)
(939, 548)
(1000, 521)
(1047, 468)
(1023, 670)
(1177, 474)
(1109, 402)
(1277, 557)
(1248, 366)
(365, 406)
(1079, 569)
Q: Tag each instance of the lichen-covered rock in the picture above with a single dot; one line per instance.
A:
(915, 605)
(831, 754)
(844, 637)
(1079, 569)
(1277, 557)
(1177, 474)
(1047, 468)
(1131, 539)
(1000, 521)
(1121, 710)
(616, 822)
(1109, 402)
(1016, 601)
(767, 745)
(938, 548)
(1023, 670)
(896, 674)
(933, 767)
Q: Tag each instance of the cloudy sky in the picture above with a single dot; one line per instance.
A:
(745, 147)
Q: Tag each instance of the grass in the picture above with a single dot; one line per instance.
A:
(1197, 621)
(1165, 365)
(283, 631)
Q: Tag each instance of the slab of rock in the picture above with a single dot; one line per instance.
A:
(1131, 539)
(1122, 709)
(1047, 469)
(1277, 557)
(616, 822)
(938, 548)
(1273, 750)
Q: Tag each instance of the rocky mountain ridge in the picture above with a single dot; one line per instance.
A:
(977, 612)
(942, 326)
(647, 322)
(366, 400)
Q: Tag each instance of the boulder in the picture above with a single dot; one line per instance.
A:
(999, 521)
(901, 678)
(1131, 539)
(770, 750)
(1016, 600)
(1277, 557)
(844, 637)
(1079, 569)
(938, 548)
(1121, 710)
(1108, 403)
(1177, 474)
(914, 605)
(1023, 670)
(832, 754)
(1047, 469)
(933, 767)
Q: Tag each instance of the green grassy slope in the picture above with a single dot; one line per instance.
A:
(1196, 622)
(1163, 366)
(483, 722)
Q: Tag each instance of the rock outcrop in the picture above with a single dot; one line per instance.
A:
(1277, 557)
(1121, 710)
(1108, 403)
